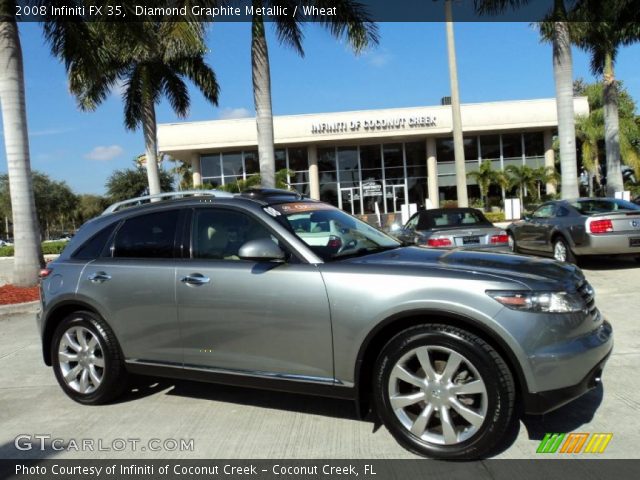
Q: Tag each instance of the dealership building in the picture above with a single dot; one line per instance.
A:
(388, 157)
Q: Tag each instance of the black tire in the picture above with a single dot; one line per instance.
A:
(113, 374)
(570, 256)
(500, 392)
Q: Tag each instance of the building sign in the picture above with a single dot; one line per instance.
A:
(371, 188)
(374, 124)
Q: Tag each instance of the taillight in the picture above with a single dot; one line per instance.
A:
(502, 238)
(334, 242)
(601, 226)
(44, 272)
(439, 242)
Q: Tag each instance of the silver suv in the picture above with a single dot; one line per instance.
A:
(444, 346)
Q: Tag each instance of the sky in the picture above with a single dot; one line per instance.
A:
(496, 61)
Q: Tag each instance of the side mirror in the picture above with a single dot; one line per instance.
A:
(261, 250)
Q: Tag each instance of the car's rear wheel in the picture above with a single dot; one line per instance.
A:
(562, 252)
(443, 392)
(87, 360)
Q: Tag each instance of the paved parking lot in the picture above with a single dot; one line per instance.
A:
(226, 422)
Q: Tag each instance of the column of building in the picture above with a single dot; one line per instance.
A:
(549, 158)
(432, 173)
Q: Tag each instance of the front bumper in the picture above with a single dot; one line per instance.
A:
(542, 402)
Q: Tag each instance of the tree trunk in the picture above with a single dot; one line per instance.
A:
(615, 182)
(27, 248)
(262, 101)
(151, 145)
(563, 74)
(458, 142)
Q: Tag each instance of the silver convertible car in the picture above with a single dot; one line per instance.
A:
(445, 347)
(569, 229)
(452, 227)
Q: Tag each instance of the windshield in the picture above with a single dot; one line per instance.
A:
(332, 233)
(603, 205)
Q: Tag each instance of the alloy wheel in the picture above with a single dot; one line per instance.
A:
(81, 359)
(560, 251)
(438, 395)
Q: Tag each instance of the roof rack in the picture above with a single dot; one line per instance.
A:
(167, 195)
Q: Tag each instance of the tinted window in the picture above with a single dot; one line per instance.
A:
(147, 236)
(451, 218)
(218, 234)
(93, 247)
(587, 207)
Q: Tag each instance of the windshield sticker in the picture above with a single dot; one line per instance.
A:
(304, 207)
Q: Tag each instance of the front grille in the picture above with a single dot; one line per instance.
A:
(586, 292)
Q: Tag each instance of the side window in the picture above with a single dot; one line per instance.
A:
(93, 247)
(413, 222)
(545, 211)
(147, 236)
(562, 211)
(218, 234)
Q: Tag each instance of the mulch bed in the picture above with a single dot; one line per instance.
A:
(10, 294)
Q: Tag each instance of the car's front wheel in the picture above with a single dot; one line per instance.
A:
(443, 392)
(87, 360)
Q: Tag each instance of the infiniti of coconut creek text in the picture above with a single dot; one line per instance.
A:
(344, 470)
(139, 11)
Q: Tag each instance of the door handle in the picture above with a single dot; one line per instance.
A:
(195, 279)
(99, 277)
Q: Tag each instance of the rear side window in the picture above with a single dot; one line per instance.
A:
(147, 236)
(93, 247)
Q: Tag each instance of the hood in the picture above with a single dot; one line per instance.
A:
(506, 265)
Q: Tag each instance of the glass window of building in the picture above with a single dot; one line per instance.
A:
(327, 165)
(299, 165)
(534, 144)
(281, 159)
(349, 169)
(393, 162)
(251, 162)
(444, 149)
(512, 145)
(232, 164)
(490, 146)
(470, 148)
(210, 165)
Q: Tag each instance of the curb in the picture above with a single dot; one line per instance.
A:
(26, 307)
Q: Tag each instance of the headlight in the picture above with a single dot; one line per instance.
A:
(551, 302)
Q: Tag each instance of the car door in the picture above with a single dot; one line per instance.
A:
(133, 284)
(259, 318)
(533, 230)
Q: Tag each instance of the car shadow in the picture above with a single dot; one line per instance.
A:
(608, 263)
(568, 418)
(294, 402)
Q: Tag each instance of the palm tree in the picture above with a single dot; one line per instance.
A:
(28, 251)
(522, 178)
(351, 21)
(543, 175)
(603, 29)
(485, 176)
(151, 60)
(556, 30)
(589, 133)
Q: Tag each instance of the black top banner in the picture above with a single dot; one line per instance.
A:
(319, 10)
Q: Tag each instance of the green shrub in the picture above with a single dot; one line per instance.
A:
(494, 217)
(49, 248)
(52, 248)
